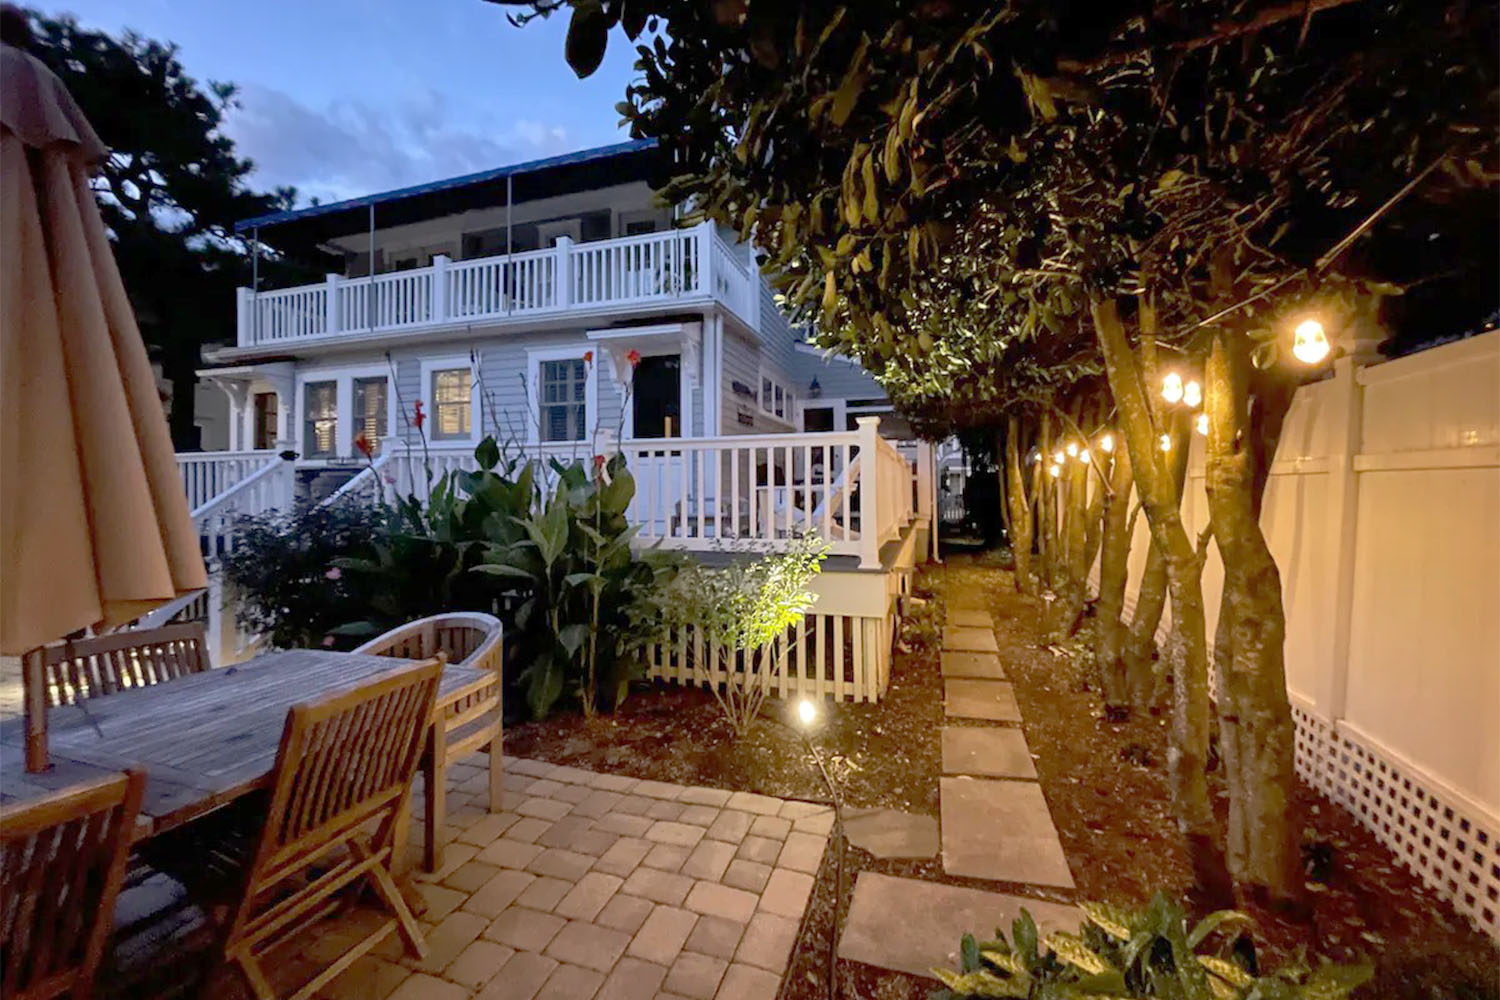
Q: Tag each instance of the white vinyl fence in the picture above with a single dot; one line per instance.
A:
(1383, 512)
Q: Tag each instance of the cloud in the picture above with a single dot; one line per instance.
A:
(352, 147)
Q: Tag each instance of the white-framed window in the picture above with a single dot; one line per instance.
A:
(450, 393)
(776, 399)
(320, 419)
(336, 406)
(563, 388)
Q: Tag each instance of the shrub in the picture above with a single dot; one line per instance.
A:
(1145, 953)
(738, 614)
(283, 568)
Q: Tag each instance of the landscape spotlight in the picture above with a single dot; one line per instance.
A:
(1171, 388)
(807, 712)
(1309, 342)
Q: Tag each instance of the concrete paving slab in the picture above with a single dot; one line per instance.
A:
(974, 640)
(1001, 830)
(971, 617)
(959, 664)
(987, 751)
(889, 833)
(993, 701)
(912, 926)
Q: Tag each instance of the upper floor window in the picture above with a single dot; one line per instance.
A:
(775, 398)
(320, 409)
(371, 410)
(452, 399)
(563, 392)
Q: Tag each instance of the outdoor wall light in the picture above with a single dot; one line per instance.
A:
(1166, 442)
(1309, 342)
(1192, 393)
(1203, 424)
(1107, 443)
(1171, 388)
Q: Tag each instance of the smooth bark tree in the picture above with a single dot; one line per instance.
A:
(1019, 505)
(1114, 571)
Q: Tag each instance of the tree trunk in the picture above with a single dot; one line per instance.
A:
(180, 367)
(1147, 679)
(1020, 509)
(1072, 586)
(1188, 755)
(1047, 511)
(1002, 489)
(1256, 732)
(1113, 575)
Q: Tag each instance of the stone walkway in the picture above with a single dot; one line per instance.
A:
(601, 887)
(995, 824)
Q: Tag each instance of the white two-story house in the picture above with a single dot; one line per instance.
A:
(558, 306)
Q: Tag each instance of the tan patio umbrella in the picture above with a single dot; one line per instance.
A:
(94, 526)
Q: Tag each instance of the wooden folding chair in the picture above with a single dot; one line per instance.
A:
(466, 719)
(337, 812)
(62, 859)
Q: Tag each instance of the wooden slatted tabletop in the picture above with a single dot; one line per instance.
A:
(203, 740)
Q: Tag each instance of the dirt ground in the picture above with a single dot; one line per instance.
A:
(887, 754)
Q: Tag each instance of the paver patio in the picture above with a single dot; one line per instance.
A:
(599, 887)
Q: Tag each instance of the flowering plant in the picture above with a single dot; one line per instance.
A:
(363, 446)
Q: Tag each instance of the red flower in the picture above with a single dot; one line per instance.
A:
(633, 356)
(417, 415)
(588, 357)
(363, 445)
(598, 462)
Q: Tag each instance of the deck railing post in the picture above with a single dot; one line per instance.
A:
(440, 264)
(563, 297)
(868, 430)
(244, 303)
(331, 307)
(703, 273)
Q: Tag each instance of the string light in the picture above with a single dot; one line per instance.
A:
(1107, 443)
(1072, 449)
(1203, 424)
(1171, 388)
(1058, 458)
(1166, 442)
(1309, 342)
(1192, 394)
(1035, 456)
(1055, 470)
(1083, 456)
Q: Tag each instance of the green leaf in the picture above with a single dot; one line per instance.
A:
(588, 34)
(1216, 920)
(969, 952)
(503, 569)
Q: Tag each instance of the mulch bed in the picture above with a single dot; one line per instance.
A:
(1362, 903)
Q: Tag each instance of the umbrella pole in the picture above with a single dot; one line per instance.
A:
(34, 690)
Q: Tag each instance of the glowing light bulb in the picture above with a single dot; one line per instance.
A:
(1203, 424)
(1057, 458)
(1107, 443)
(1192, 394)
(1166, 442)
(807, 712)
(1309, 342)
(1171, 388)
(1054, 470)
(1035, 456)
(1072, 449)
(1083, 456)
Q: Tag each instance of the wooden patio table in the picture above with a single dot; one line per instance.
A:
(203, 740)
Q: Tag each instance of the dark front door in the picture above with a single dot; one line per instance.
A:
(265, 420)
(657, 396)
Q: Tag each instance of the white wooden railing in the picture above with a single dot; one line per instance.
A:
(692, 264)
(268, 488)
(206, 474)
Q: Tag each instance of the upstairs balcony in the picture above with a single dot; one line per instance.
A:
(679, 268)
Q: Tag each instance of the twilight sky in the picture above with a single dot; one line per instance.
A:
(346, 97)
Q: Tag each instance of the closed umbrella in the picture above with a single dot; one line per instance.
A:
(94, 526)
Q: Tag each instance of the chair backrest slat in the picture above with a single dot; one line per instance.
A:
(469, 639)
(62, 859)
(108, 664)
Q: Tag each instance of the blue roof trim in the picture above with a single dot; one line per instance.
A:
(566, 159)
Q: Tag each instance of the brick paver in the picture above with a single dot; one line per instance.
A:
(601, 886)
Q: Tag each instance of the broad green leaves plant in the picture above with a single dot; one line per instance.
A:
(1150, 952)
(738, 616)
